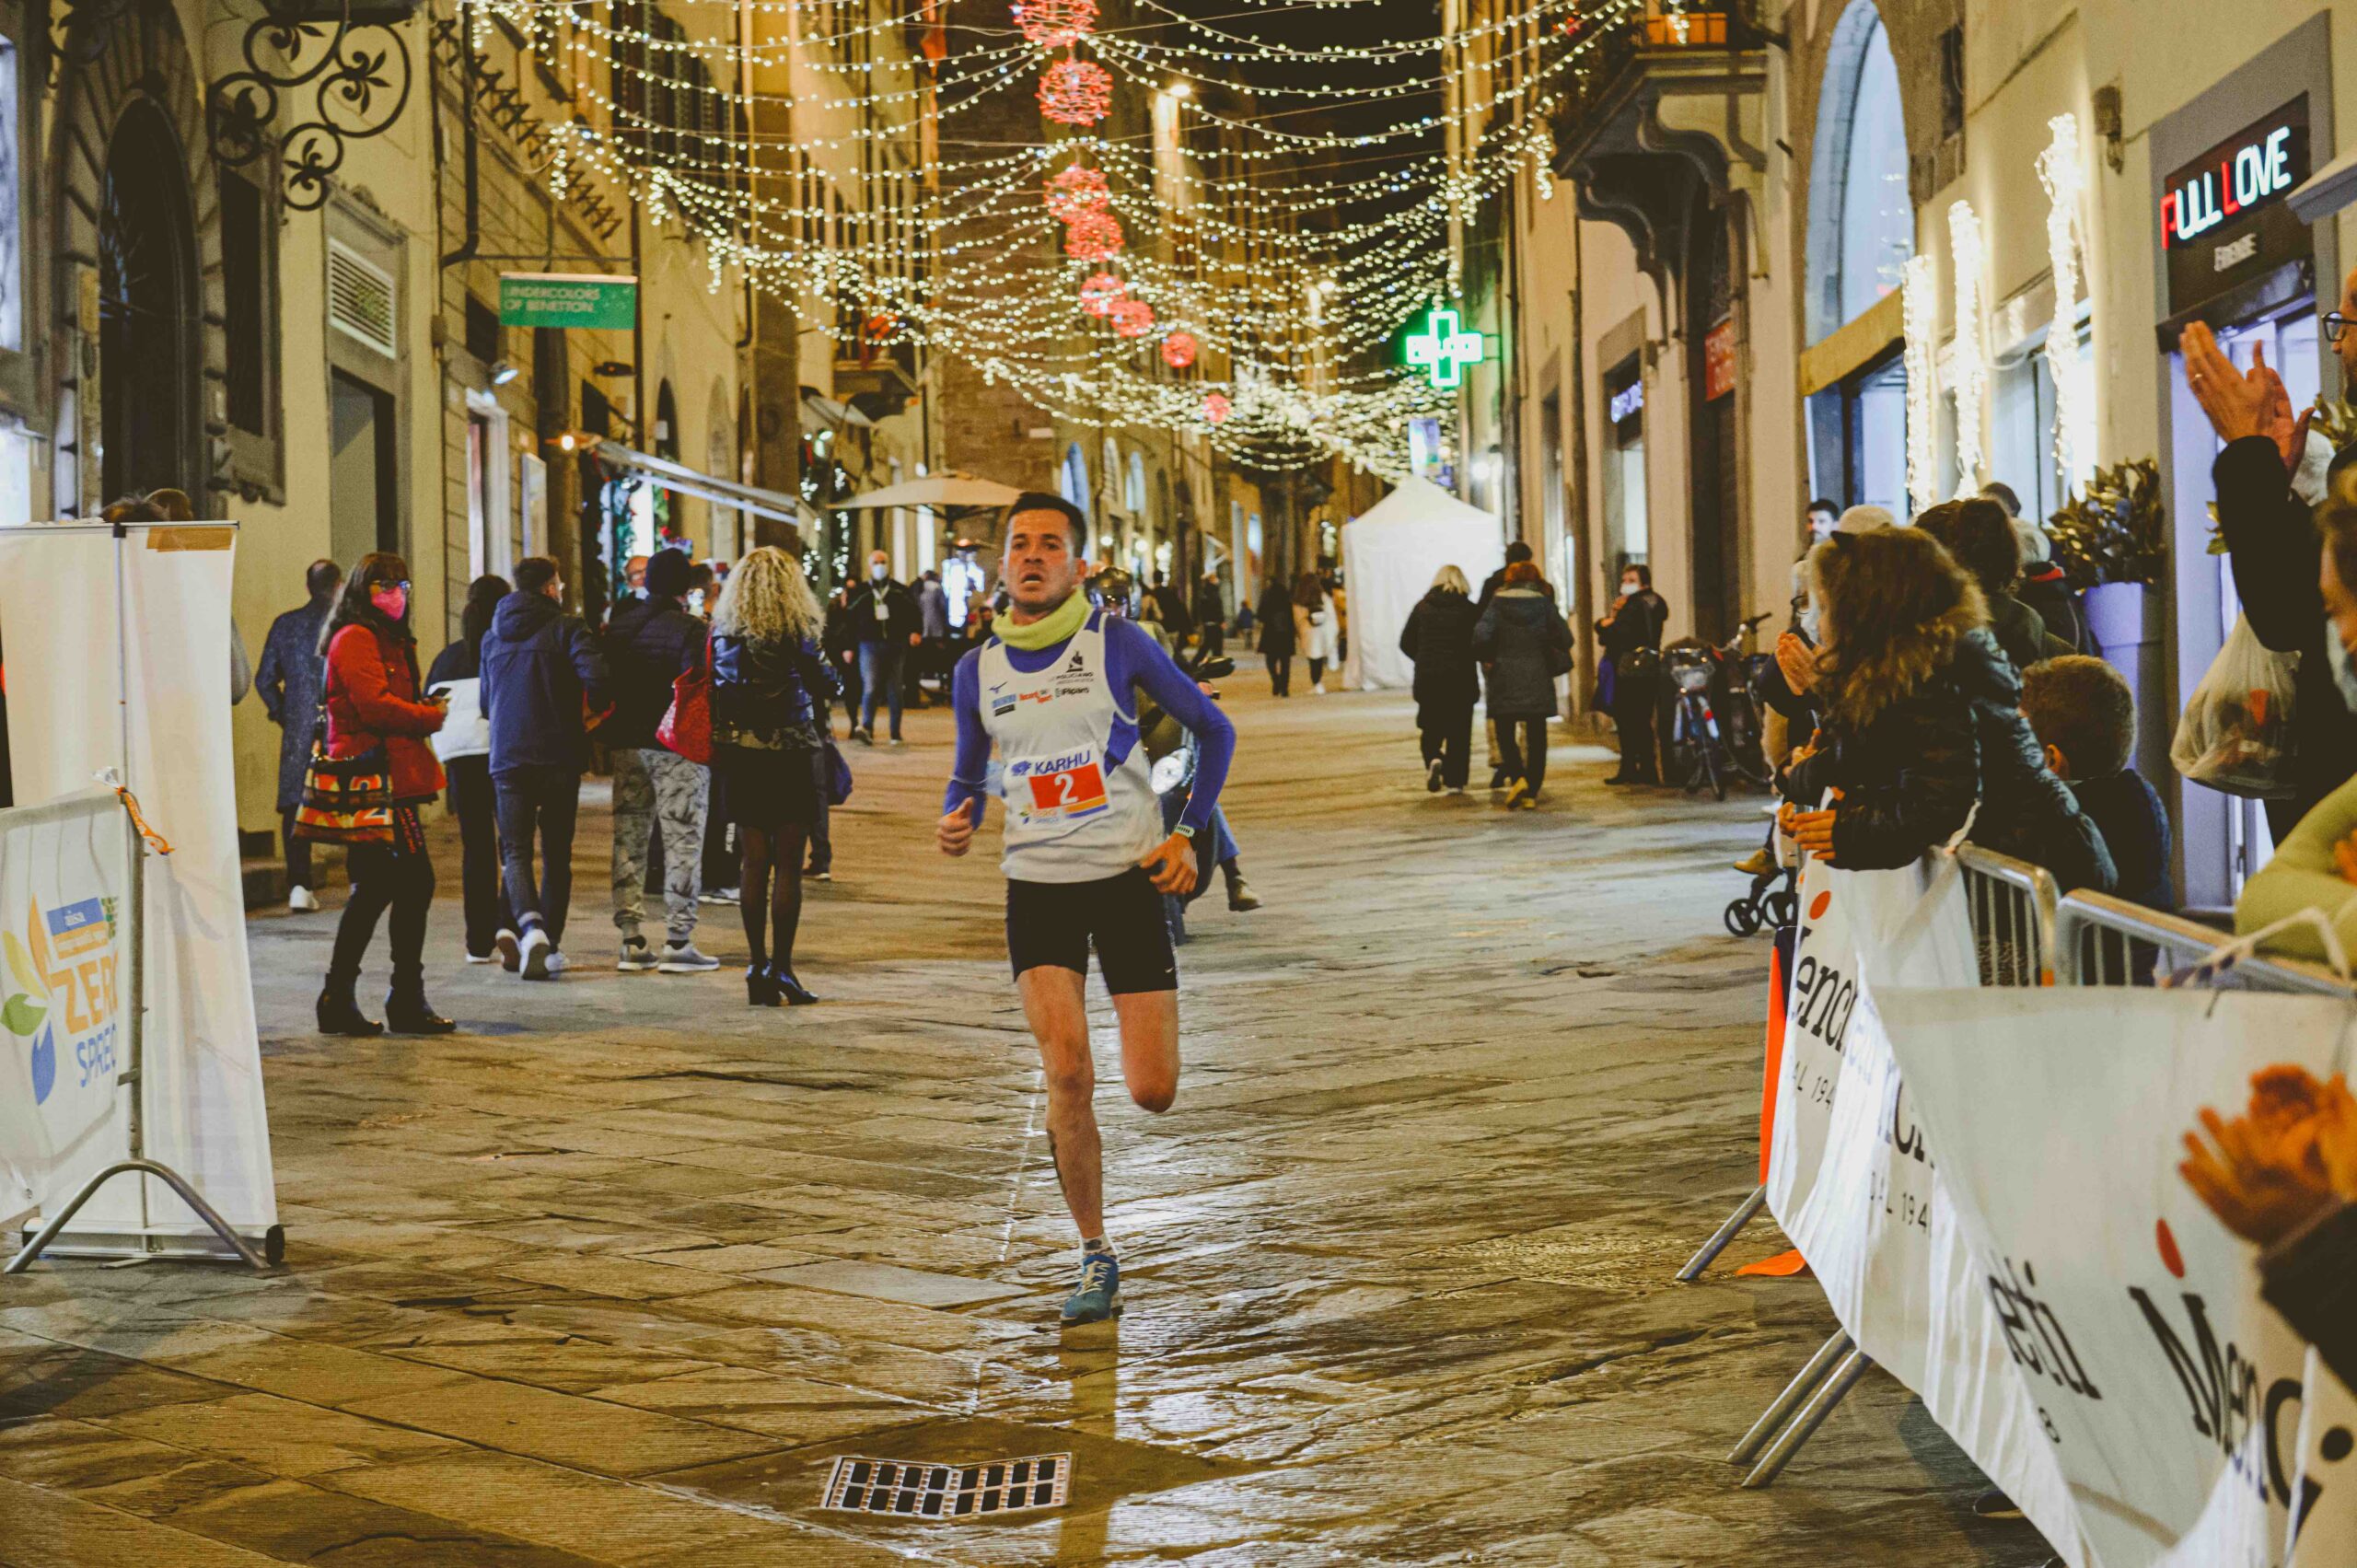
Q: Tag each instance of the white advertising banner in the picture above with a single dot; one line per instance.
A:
(119, 657)
(2184, 1415)
(1851, 1174)
(65, 908)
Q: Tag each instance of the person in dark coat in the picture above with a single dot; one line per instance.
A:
(1439, 637)
(1171, 605)
(464, 745)
(1979, 535)
(290, 678)
(370, 699)
(1210, 615)
(2045, 589)
(1922, 717)
(1630, 633)
(660, 797)
(540, 671)
(840, 643)
(1523, 645)
(2273, 545)
(771, 685)
(1276, 644)
(884, 624)
(2084, 715)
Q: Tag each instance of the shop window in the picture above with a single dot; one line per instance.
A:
(2022, 432)
(1626, 533)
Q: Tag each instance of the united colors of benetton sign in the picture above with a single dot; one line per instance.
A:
(568, 299)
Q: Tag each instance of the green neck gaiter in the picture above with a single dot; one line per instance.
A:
(1058, 625)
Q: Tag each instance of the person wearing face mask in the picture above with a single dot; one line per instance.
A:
(885, 623)
(2315, 864)
(2268, 479)
(370, 700)
(1631, 634)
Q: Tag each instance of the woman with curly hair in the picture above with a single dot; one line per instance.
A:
(1923, 719)
(771, 686)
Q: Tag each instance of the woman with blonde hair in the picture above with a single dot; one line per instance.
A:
(1439, 637)
(770, 687)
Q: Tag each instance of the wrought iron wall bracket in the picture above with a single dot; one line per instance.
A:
(329, 72)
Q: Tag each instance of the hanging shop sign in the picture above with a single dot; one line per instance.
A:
(2224, 217)
(1718, 360)
(1443, 349)
(568, 299)
(1627, 403)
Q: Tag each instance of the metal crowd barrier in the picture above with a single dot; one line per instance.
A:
(2028, 934)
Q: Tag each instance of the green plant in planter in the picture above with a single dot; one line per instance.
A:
(2116, 532)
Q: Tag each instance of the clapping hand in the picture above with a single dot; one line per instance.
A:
(1796, 660)
(2240, 403)
(2265, 1175)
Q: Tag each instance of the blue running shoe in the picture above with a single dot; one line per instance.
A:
(1100, 1295)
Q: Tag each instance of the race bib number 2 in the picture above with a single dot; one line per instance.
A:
(1069, 794)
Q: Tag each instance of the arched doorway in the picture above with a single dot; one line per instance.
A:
(148, 352)
(1861, 233)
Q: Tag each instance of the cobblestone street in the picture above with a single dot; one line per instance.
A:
(611, 1275)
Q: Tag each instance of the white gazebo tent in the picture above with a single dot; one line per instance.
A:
(1390, 554)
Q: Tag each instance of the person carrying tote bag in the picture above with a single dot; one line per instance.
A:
(374, 718)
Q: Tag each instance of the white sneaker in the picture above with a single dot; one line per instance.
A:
(557, 963)
(1318, 689)
(534, 948)
(681, 957)
(510, 951)
(490, 957)
(302, 900)
(720, 896)
(636, 957)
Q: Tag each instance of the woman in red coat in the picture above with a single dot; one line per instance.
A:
(372, 697)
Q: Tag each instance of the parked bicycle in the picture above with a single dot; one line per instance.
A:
(1714, 713)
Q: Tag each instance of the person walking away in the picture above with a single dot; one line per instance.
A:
(1439, 638)
(1633, 635)
(932, 616)
(649, 644)
(290, 678)
(370, 698)
(883, 618)
(841, 641)
(463, 744)
(1314, 628)
(1170, 606)
(1086, 860)
(1523, 643)
(1516, 550)
(770, 685)
(1277, 637)
(1211, 616)
(539, 667)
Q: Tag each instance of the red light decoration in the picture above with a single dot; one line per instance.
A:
(1094, 237)
(1132, 318)
(1076, 191)
(1178, 350)
(1217, 408)
(1075, 92)
(1099, 292)
(1055, 24)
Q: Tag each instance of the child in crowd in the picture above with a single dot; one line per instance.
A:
(2083, 714)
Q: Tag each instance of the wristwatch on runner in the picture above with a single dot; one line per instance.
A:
(1184, 831)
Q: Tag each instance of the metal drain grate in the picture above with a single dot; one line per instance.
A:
(858, 1485)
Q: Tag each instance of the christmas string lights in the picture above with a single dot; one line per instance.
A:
(1055, 24)
(2063, 174)
(1178, 350)
(1967, 253)
(1075, 92)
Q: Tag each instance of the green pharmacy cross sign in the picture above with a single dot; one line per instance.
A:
(1443, 349)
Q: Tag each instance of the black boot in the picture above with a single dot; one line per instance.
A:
(797, 994)
(761, 988)
(407, 1012)
(340, 1014)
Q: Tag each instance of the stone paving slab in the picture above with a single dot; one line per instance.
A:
(610, 1276)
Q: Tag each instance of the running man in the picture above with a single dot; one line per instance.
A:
(1086, 859)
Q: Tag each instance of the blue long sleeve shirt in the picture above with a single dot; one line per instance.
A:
(1133, 659)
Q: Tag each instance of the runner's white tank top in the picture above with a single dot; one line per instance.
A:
(1080, 803)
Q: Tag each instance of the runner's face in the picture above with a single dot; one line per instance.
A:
(1040, 567)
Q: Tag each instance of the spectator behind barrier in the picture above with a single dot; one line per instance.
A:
(1980, 535)
(1921, 718)
(2085, 714)
(2314, 867)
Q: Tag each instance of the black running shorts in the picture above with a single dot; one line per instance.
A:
(1056, 922)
